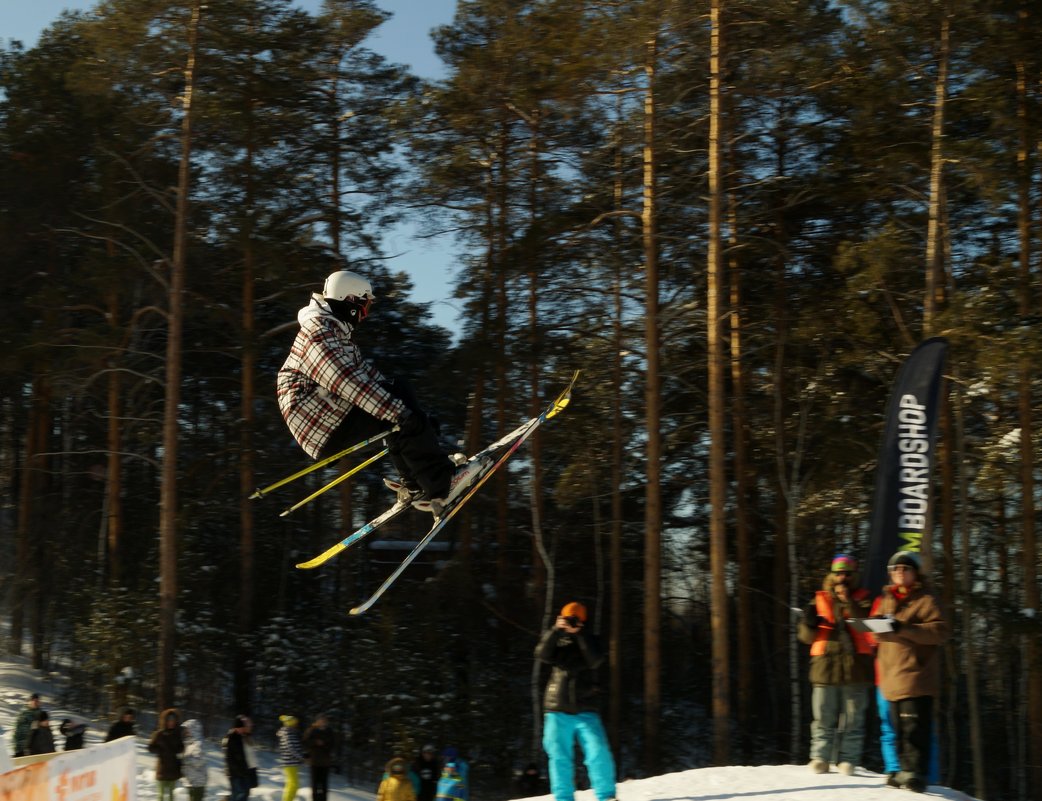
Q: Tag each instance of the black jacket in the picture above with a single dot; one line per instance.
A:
(41, 741)
(235, 755)
(121, 728)
(73, 735)
(168, 744)
(427, 772)
(573, 685)
(320, 742)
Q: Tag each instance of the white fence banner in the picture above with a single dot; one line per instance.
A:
(99, 773)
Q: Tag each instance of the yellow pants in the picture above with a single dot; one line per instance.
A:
(292, 782)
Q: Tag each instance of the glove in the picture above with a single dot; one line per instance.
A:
(895, 624)
(811, 618)
(411, 423)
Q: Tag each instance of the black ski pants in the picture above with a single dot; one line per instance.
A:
(914, 734)
(319, 782)
(418, 458)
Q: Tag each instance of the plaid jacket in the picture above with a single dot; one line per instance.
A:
(324, 377)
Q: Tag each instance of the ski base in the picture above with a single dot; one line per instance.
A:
(360, 534)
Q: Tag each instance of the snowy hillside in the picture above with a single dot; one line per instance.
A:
(787, 782)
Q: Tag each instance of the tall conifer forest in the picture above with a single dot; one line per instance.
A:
(735, 217)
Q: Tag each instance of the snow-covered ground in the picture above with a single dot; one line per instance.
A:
(742, 783)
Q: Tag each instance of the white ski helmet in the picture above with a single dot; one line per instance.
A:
(344, 284)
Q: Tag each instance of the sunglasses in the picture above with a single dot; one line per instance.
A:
(841, 572)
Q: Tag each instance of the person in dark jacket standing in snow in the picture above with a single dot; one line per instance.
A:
(23, 725)
(909, 662)
(571, 707)
(427, 770)
(124, 727)
(331, 398)
(320, 744)
(167, 743)
(41, 739)
(240, 759)
(73, 732)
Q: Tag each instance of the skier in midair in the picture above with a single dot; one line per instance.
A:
(332, 398)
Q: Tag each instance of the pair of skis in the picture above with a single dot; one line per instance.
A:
(495, 454)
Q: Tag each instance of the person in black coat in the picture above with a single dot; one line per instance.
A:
(427, 770)
(167, 743)
(41, 740)
(124, 727)
(239, 759)
(320, 745)
(73, 734)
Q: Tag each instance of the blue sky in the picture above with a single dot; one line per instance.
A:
(403, 39)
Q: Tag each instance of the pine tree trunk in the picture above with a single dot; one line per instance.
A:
(970, 656)
(1032, 664)
(25, 604)
(743, 535)
(652, 400)
(114, 465)
(535, 339)
(615, 549)
(246, 451)
(502, 235)
(166, 686)
(719, 614)
(934, 250)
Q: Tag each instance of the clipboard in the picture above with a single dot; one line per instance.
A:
(872, 625)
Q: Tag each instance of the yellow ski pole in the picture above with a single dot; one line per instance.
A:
(260, 493)
(335, 481)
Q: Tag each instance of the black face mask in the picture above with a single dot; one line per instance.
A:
(344, 310)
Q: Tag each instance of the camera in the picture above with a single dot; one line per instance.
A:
(573, 621)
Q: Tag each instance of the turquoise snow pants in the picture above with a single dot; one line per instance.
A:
(560, 731)
(888, 743)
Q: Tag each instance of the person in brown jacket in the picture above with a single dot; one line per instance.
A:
(841, 665)
(909, 663)
(167, 743)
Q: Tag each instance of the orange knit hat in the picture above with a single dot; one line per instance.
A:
(574, 609)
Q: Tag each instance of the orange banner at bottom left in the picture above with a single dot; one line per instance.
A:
(29, 783)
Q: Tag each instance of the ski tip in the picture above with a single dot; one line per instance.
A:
(356, 611)
(322, 558)
(256, 494)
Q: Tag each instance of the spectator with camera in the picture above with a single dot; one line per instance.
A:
(571, 705)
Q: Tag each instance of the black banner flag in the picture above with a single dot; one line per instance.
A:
(902, 509)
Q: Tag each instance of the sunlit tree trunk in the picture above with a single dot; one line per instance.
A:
(743, 535)
(652, 401)
(934, 250)
(719, 616)
(166, 685)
